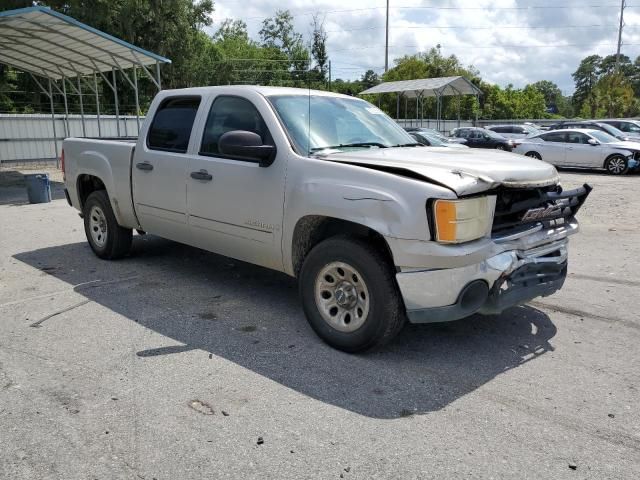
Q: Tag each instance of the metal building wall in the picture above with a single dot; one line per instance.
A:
(27, 138)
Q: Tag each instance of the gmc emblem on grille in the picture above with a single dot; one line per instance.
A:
(540, 213)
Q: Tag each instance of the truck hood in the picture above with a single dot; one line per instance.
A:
(465, 171)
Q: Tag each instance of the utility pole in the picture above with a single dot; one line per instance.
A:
(386, 45)
(623, 5)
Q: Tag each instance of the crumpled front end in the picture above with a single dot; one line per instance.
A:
(528, 260)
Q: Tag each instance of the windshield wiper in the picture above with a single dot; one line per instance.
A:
(346, 145)
(416, 144)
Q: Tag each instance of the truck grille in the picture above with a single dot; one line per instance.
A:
(520, 209)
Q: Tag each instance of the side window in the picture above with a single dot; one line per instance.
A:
(554, 137)
(577, 137)
(172, 124)
(228, 114)
(632, 127)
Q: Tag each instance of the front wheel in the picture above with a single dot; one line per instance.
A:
(500, 147)
(107, 239)
(535, 155)
(349, 295)
(616, 165)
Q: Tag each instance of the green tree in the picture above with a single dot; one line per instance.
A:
(586, 77)
(319, 49)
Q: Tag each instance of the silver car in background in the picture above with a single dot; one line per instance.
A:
(631, 128)
(434, 140)
(514, 131)
(582, 148)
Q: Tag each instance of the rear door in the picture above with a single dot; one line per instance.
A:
(160, 168)
(236, 209)
(553, 148)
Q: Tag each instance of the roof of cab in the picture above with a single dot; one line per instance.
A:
(267, 91)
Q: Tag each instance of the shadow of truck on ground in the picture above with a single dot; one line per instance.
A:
(251, 316)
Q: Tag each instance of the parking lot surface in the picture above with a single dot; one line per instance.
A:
(176, 363)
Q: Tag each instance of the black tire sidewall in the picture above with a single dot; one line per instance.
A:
(99, 198)
(383, 293)
(535, 155)
(608, 162)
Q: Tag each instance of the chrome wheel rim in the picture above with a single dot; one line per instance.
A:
(98, 226)
(617, 165)
(342, 297)
(533, 155)
(499, 147)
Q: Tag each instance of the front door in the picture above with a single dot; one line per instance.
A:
(236, 206)
(580, 153)
(160, 168)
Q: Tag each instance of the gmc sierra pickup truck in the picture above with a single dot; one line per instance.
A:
(327, 188)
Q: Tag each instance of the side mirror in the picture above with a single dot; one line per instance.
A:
(245, 145)
(593, 141)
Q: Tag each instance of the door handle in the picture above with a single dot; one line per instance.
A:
(202, 175)
(144, 166)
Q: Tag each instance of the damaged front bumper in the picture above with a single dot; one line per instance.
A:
(507, 279)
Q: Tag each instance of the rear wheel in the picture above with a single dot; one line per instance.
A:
(535, 155)
(107, 239)
(616, 165)
(500, 147)
(349, 295)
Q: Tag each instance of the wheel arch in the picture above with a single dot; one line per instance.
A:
(310, 230)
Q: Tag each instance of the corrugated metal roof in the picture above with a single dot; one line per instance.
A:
(47, 43)
(427, 87)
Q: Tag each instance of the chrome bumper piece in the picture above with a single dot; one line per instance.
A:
(531, 267)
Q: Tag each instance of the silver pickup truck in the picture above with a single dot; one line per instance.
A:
(327, 188)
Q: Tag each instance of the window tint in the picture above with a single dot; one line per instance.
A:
(228, 114)
(172, 124)
(501, 129)
(554, 137)
(629, 127)
(577, 137)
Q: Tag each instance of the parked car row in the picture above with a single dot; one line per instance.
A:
(610, 144)
(586, 148)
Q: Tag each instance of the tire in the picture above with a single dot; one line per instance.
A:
(535, 155)
(500, 147)
(107, 239)
(376, 312)
(616, 165)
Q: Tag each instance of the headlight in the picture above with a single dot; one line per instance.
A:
(458, 221)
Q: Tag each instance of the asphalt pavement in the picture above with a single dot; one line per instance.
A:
(176, 363)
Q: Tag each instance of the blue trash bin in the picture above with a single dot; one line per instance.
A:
(38, 187)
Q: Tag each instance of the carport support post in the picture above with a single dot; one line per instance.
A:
(158, 76)
(53, 123)
(135, 89)
(66, 106)
(84, 127)
(95, 89)
(115, 96)
(406, 103)
(397, 106)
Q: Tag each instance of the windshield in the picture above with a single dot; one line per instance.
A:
(318, 122)
(603, 137)
(611, 130)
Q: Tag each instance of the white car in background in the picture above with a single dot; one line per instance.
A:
(514, 131)
(582, 148)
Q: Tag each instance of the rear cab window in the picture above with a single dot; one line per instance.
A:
(171, 127)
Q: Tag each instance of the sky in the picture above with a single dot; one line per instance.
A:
(509, 41)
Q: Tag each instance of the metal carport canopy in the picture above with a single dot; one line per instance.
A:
(44, 42)
(427, 87)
